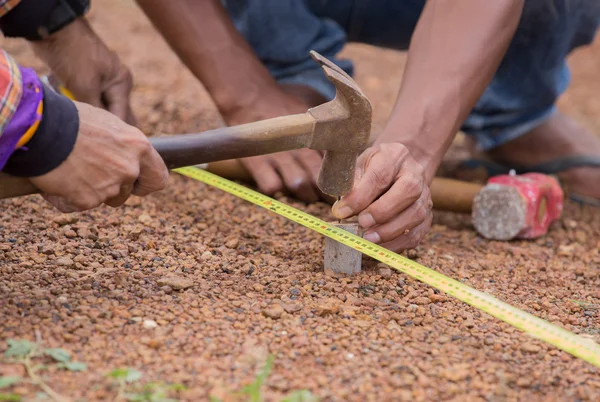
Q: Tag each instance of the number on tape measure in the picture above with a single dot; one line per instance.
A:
(580, 347)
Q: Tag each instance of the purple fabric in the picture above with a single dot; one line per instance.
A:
(25, 115)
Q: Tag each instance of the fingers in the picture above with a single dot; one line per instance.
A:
(124, 193)
(295, 171)
(61, 203)
(296, 179)
(403, 223)
(412, 239)
(377, 170)
(264, 173)
(115, 95)
(153, 175)
(311, 162)
(408, 191)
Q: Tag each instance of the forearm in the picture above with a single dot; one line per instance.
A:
(454, 53)
(205, 39)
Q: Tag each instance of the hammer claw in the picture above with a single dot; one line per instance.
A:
(334, 72)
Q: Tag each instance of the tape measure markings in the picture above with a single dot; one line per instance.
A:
(585, 349)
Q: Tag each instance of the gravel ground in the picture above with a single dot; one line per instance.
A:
(197, 287)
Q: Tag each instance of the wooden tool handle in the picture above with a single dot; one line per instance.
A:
(453, 195)
(259, 138)
(11, 186)
(447, 194)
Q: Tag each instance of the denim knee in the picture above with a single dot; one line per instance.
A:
(282, 33)
(534, 72)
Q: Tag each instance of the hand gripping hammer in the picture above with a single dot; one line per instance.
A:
(340, 127)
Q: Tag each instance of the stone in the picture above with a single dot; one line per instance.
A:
(292, 307)
(64, 261)
(176, 282)
(149, 324)
(384, 271)
(274, 311)
(530, 348)
(65, 219)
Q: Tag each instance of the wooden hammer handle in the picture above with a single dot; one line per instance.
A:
(11, 186)
(262, 137)
(447, 194)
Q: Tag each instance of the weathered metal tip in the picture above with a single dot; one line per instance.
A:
(333, 71)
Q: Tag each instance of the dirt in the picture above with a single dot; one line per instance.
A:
(197, 287)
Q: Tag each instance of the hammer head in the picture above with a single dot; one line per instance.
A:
(342, 130)
(523, 206)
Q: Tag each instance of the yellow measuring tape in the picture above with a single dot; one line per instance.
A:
(583, 348)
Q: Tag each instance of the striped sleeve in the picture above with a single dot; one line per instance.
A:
(7, 5)
(11, 89)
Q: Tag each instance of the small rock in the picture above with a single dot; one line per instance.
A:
(422, 300)
(524, 381)
(155, 343)
(437, 298)
(328, 307)
(145, 219)
(530, 348)
(233, 243)
(274, 311)
(384, 271)
(70, 234)
(64, 261)
(330, 273)
(149, 324)
(443, 339)
(457, 373)
(292, 307)
(566, 250)
(65, 219)
(176, 282)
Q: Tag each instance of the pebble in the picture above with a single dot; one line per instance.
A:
(233, 243)
(65, 219)
(385, 273)
(176, 282)
(64, 261)
(292, 307)
(421, 300)
(327, 307)
(530, 348)
(149, 324)
(274, 311)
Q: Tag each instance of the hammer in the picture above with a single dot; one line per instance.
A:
(340, 127)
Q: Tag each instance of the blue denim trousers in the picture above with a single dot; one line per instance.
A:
(521, 95)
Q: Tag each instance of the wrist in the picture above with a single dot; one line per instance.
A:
(426, 132)
(266, 105)
(36, 20)
(53, 141)
(56, 48)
